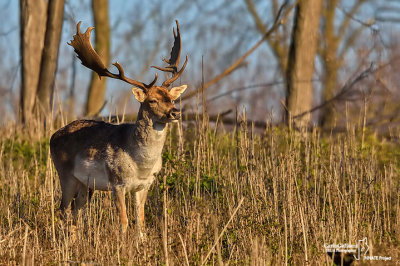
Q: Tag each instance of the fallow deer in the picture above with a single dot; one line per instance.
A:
(92, 155)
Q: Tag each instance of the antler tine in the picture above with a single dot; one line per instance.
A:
(168, 82)
(90, 59)
(177, 42)
(174, 58)
(121, 76)
(78, 28)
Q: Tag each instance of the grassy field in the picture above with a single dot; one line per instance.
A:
(265, 198)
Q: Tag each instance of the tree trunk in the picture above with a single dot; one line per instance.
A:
(331, 65)
(48, 67)
(300, 68)
(330, 62)
(97, 87)
(337, 40)
(32, 29)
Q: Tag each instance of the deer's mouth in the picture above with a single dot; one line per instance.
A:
(174, 116)
(168, 118)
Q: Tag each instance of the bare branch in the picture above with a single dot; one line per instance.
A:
(344, 91)
(279, 19)
(254, 86)
(349, 16)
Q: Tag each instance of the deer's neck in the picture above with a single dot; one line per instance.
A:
(149, 134)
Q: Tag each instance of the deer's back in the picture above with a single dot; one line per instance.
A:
(101, 155)
(81, 135)
(82, 149)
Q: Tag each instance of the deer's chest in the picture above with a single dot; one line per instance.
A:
(135, 170)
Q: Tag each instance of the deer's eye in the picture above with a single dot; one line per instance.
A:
(152, 101)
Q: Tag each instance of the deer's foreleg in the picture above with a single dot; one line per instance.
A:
(140, 200)
(119, 197)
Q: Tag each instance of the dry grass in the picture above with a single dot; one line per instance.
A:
(222, 198)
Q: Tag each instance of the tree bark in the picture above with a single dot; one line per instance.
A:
(48, 67)
(32, 30)
(300, 68)
(97, 87)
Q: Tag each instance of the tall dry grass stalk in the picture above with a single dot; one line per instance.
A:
(267, 198)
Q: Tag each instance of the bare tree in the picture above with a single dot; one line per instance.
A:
(32, 30)
(48, 67)
(300, 69)
(336, 40)
(97, 87)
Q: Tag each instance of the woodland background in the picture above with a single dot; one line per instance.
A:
(351, 35)
(289, 138)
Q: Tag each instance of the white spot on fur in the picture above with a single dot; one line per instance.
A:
(91, 173)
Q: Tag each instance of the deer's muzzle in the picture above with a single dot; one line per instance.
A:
(174, 114)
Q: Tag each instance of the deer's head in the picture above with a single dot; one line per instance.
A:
(158, 101)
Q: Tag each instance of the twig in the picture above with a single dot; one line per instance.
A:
(50, 166)
(184, 249)
(369, 24)
(10, 234)
(24, 248)
(9, 31)
(165, 223)
(345, 89)
(279, 19)
(254, 86)
(222, 232)
(348, 86)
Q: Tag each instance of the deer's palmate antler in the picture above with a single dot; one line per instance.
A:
(90, 59)
(174, 59)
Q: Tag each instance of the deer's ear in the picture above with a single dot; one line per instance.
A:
(175, 92)
(140, 95)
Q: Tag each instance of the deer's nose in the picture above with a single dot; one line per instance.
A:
(174, 113)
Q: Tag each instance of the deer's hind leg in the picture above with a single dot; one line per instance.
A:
(81, 197)
(69, 187)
